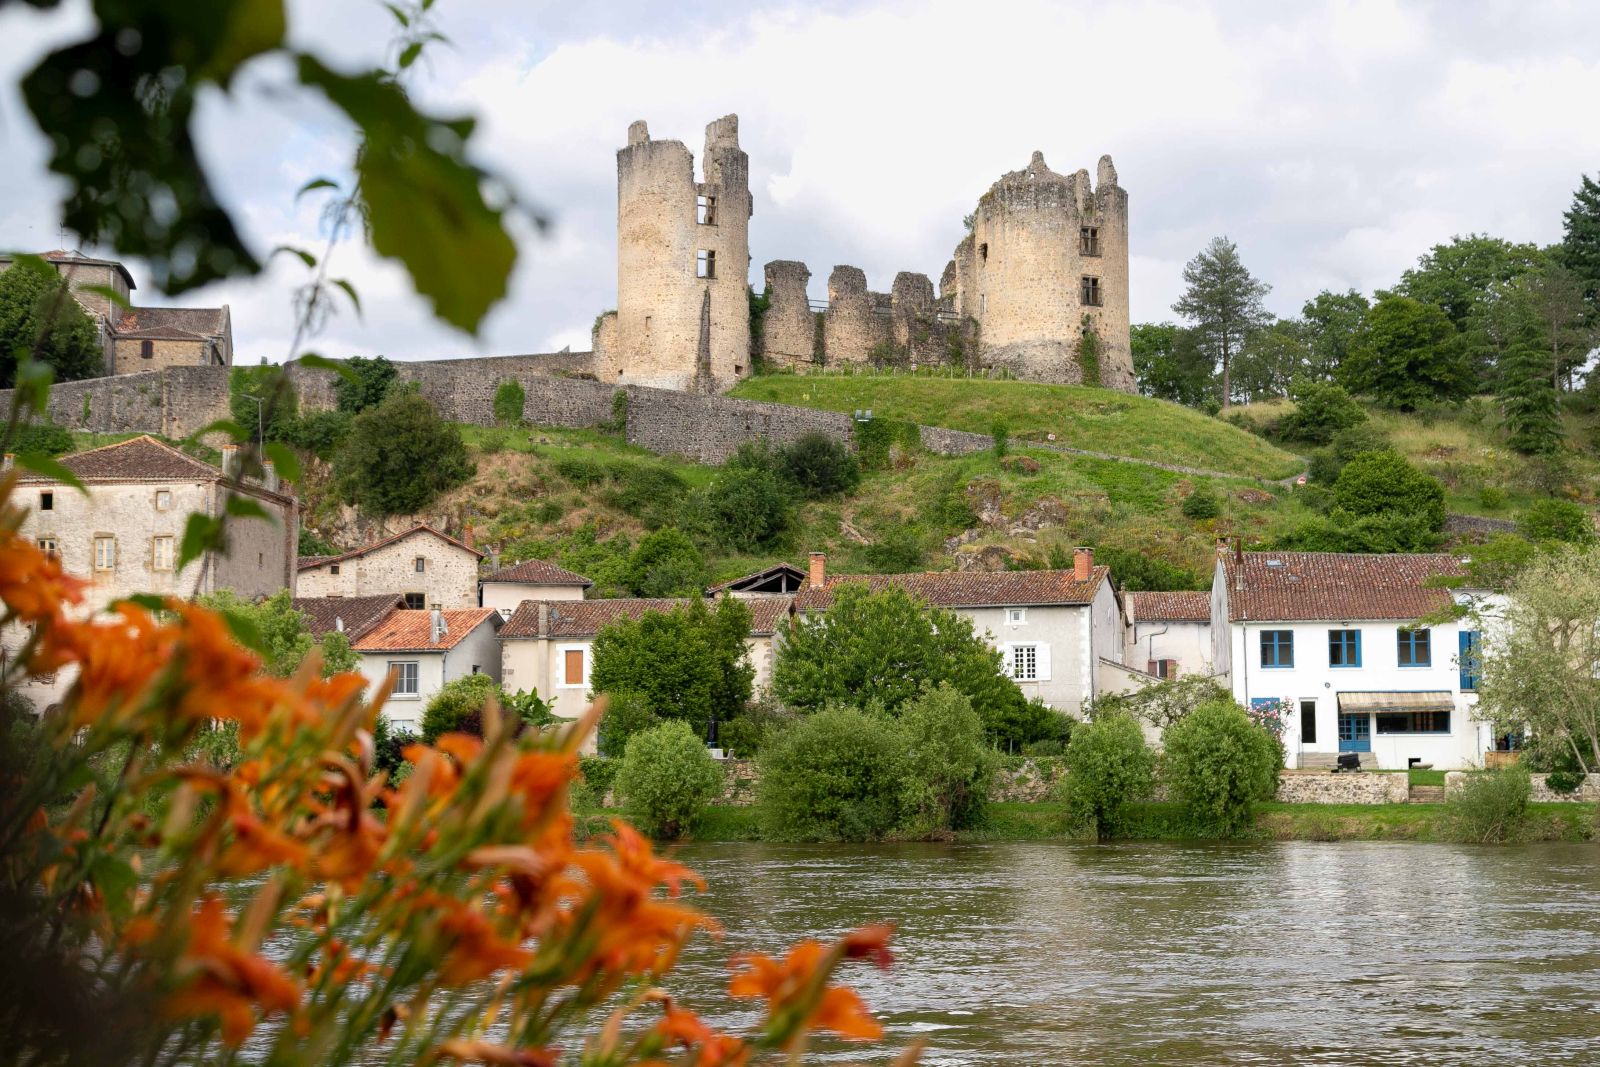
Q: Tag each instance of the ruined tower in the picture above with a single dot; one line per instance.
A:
(1047, 258)
(683, 262)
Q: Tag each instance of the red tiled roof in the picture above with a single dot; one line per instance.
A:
(307, 562)
(410, 630)
(585, 618)
(538, 572)
(184, 324)
(969, 589)
(1334, 586)
(138, 459)
(357, 613)
(1168, 607)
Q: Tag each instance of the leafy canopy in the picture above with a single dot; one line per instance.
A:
(1108, 767)
(1218, 764)
(399, 456)
(39, 316)
(838, 775)
(1408, 353)
(666, 780)
(1373, 483)
(1225, 302)
(280, 633)
(688, 663)
(366, 384)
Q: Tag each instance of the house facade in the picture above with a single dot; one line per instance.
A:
(422, 565)
(1168, 634)
(1051, 627)
(426, 649)
(1334, 639)
(533, 579)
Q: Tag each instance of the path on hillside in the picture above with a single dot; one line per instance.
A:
(1176, 468)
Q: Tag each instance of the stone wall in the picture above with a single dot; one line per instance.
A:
(1358, 788)
(788, 329)
(710, 428)
(128, 354)
(1588, 790)
(125, 403)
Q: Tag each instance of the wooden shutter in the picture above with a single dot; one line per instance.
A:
(574, 666)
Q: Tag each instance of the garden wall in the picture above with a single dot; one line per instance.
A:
(1588, 789)
(1357, 788)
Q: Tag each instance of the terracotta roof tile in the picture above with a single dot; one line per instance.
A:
(585, 618)
(1168, 607)
(136, 459)
(307, 562)
(969, 589)
(1334, 586)
(538, 572)
(358, 613)
(173, 323)
(411, 630)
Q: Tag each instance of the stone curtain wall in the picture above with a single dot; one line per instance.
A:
(788, 329)
(122, 404)
(1359, 788)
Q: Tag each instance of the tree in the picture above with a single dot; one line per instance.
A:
(1224, 301)
(1455, 277)
(820, 466)
(262, 400)
(666, 780)
(1376, 483)
(838, 775)
(1539, 664)
(882, 648)
(1218, 764)
(367, 384)
(458, 706)
(689, 663)
(1556, 295)
(1580, 244)
(280, 633)
(1108, 767)
(1407, 354)
(1271, 359)
(1557, 520)
(949, 767)
(1169, 363)
(1333, 321)
(1528, 401)
(1321, 411)
(748, 508)
(510, 399)
(666, 564)
(1164, 703)
(399, 456)
(39, 317)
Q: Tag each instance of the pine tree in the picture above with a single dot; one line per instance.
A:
(1580, 248)
(1224, 301)
(1528, 400)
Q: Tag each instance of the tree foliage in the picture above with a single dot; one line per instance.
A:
(666, 780)
(1321, 411)
(1218, 764)
(1170, 363)
(39, 316)
(262, 400)
(1333, 321)
(820, 466)
(1407, 354)
(399, 456)
(1271, 360)
(456, 703)
(1374, 483)
(1455, 277)
(1557, 520)
(1109, 766)
(949, 766)
(1164, 703)
(747, 508)
(838, 775)
(1580, 243)
(280, 633)
(1225, 303)
(366, 385)
(666, 564)
(688, 663)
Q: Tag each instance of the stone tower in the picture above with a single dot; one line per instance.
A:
(683, 262)
(1046, 258)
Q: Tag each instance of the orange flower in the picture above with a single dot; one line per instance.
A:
(476, 951)
(871, 942)
(798, 984)
(223, 980)
(486, 1052)
(842, 1011)
(32, 583)
(680, 1027)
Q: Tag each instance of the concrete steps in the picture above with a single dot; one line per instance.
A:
(1426, 794)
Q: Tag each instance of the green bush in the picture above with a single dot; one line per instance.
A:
(399, 456)
(1564, 781)
(1390, 531)
(366, 386)
(1322, 410)
(509, 400)
(595, 777)
(582, 471)
(838, 775)
(320, 432)
(38, 315)
(389, 745)
(820, 466)
(1218, 764)
(666, 780)
(1490, 807)
(666, 564)
(1373, 483)
(43, 438)
(760, 722)
(648, 490)
(627, 713)
(950, 770)
(1108, 767)
(1557, 520)
(747, 509)
(1326, 463)
(458, 706)
(689, 663)
(1202, 502)
(898, 550)
(1001, 433)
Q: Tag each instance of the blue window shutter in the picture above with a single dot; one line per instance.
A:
(1358, 648)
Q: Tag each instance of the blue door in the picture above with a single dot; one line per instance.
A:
(1355, 732)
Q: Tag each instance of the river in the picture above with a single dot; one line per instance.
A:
(1320, 953)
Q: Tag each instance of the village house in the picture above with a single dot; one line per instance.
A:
(533, 579)
(780, 579)
(548, 646)
(125, 533)
(1052, 627)
(426, 649)
(429, 569)
(1168, 634)
(1334, 640)
(352, 616)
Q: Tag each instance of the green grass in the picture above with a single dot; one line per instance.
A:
(1416, 777)
(1097, 419)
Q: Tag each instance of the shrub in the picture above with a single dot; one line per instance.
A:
(1001, 433)
(1322, 409)
(366, 386)
(1108, 767)
(688, 663)
(666, 564)
(320, 432)
(399, 457)
(1376, 482)
(949, 768)
(1202, 502)
(458, 705)
(1564, 781)
(596, 775)
(899, 550)
(761, 722)
(39, 315)
(509, 401)
(746, 508)
(627, 713)
(1326, 463)
(666, 780)
(838, 775)
(820, 466)
(1557, 520)
(648, 490)
(1218, 764)
(389, 745)
(1492, 497)
(1391, 531)
(42, 437)
(1490, 807)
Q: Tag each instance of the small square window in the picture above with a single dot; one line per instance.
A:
(572, 673)
(1016, 616)
(1089, 291)
(1415, 648)
(416, 601)
(161, 553)
(705, 210)
(47, 501)
(420, 564)
(163, 500)
(705, 264)
(334, 569)
(47, 545)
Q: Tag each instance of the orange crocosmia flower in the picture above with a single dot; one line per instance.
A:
(486, 1052)
(870, 942)
(476, 950)
(539, 778)
(639, 860)
(842, 1011)
(223, 980)
(463, 747)
(255, 845)
(680, 1027)
(777, 982)
(32, 583)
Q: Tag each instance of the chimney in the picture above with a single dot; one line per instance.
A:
(494, 559)
(1082, 564)
(1222, 548)
(819, 570)
(269, 475)
(437, 628)
(230, 461)
(1238, 549)
(466, 536)
(544, 617)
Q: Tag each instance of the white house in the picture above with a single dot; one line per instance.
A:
(1169, 634)
(533, 579)
(1333, 637)
(426, 567)
(1052, 627)
(426, 649)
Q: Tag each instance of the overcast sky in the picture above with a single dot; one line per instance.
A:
(1333, 141)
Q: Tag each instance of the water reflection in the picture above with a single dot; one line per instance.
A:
(1327, 953)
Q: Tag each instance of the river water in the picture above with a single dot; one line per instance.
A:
(1310, 953)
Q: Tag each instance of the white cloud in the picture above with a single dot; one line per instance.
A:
(1334, 142)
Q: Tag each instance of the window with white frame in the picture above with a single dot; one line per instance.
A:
(574, 667)
(105, 553)
(405, 678)
(161, 553)
(1027, 662)
(47, 545)
(1016, 616)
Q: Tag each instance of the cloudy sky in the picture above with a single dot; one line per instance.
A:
(1333, 141)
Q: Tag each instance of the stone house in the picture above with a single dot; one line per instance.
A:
(1334, 639)
(1168, 634)
(426, 567)
(547, 646)
(533, 579)
(426, 649)
(125, 533)
(135, 339)
(1052, 627)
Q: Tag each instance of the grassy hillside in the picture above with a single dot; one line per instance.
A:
(1096, 419)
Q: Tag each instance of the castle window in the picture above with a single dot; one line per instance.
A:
(983, 302)
(705, 210)
(705, 264)
(47, 501)
(1089, 292)
(147, 350)
(983, 252)
(1089, 240)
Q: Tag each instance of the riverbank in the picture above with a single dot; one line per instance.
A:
(1569, 822)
